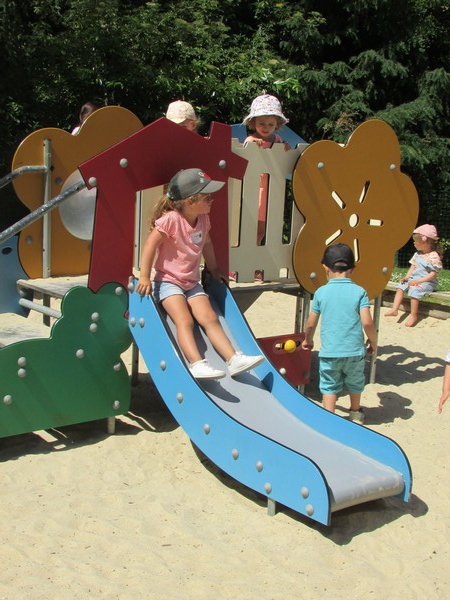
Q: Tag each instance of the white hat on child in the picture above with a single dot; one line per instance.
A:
(266, 105)
(180, 111)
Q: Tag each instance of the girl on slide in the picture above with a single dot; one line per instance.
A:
(179, 236)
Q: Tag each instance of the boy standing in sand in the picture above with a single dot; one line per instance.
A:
(345, 311)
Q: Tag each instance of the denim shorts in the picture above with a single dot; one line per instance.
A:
(418, 291)
(165, 289)
(335, 373)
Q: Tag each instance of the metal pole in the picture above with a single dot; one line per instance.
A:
(46, 221)
(376, 319)
(301, 316)
(39, 212)
(137, 229)
(21, 171)
(302, 310)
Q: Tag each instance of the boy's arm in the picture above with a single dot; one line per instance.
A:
(445, 388)
(310, 328)
(153, 241)
(369, 329)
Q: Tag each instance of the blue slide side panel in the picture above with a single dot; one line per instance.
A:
(370, 443)
(245, 455)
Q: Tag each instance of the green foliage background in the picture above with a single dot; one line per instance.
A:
(333, 65)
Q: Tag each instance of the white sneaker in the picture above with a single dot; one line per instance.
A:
(357, 416)
(240, 362)
(202, 370)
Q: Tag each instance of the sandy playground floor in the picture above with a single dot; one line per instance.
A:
(142, 514)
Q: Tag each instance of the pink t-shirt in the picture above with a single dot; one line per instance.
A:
(180, 253)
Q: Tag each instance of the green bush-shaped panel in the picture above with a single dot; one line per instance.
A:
(77, 374)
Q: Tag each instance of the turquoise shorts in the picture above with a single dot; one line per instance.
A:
(165, 289)
(335, 373)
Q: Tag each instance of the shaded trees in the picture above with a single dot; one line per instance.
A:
(333, 64)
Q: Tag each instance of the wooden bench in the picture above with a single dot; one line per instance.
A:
(427, 308)
(392, 286)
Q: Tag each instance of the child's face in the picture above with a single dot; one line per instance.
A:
(202, 206)
(266, 125)
(189, 124)
(421, 242)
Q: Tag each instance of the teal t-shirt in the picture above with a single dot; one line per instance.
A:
(339, 303)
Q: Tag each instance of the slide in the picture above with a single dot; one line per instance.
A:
(259, 429)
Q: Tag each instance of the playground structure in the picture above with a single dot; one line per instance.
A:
(258, 428)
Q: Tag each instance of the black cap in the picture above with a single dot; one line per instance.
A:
(192, 181)
(339, 257)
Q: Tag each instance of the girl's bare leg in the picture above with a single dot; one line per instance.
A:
(414, 316)
(178, 310)
(397, 301)
(206, 317)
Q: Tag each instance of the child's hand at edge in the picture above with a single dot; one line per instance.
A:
(217, 274)
(144, 286)
(307, 345)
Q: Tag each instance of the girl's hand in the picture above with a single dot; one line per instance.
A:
(144, 286)
(286, 147)
(217, 274)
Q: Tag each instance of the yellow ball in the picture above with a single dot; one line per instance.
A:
(290, 346)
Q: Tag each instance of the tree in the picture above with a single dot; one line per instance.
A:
(333, 64)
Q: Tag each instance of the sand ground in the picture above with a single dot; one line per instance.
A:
(143, 514)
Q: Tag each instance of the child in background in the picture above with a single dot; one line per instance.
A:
(445, 384)
(182, 113)
(85, 111)
(265, 118)
(345, 311)
(421, 278)
(180, 236)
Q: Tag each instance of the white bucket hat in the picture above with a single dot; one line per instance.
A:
(265, 105)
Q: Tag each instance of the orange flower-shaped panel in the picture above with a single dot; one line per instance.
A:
(69, 255)
(357, 195)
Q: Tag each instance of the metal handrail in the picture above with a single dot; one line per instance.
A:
(41, 211)
(20, 171)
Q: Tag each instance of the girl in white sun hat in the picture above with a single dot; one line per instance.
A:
(265, 119)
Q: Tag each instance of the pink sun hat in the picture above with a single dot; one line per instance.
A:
(427, 230)
(266, 105)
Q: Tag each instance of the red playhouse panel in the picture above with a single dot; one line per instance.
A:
(145, 159)
(286, 353)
